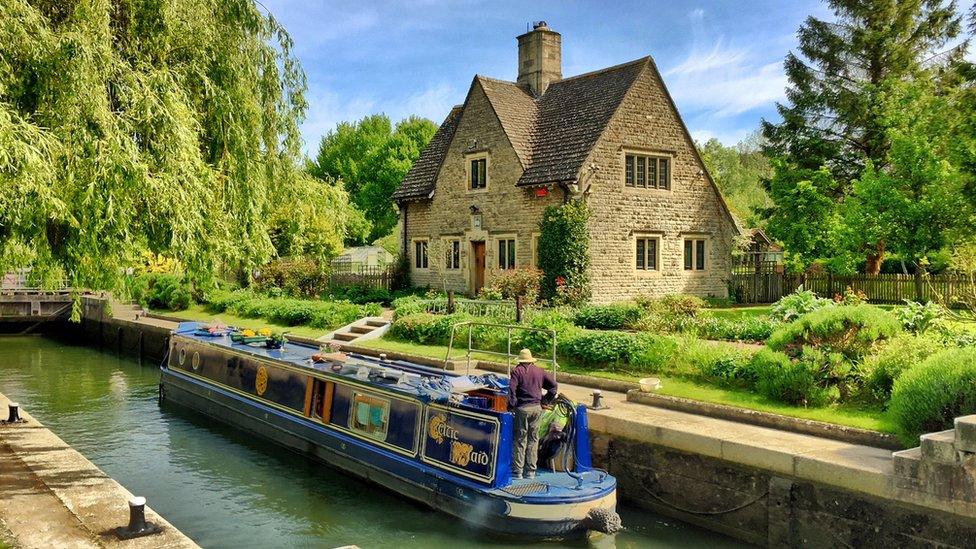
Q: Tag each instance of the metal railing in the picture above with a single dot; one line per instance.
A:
(508, 355)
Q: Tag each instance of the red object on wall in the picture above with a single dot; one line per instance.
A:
(542, 192)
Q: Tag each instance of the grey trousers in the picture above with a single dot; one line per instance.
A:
(526, 443)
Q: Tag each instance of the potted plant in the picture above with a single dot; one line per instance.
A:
(276, 340)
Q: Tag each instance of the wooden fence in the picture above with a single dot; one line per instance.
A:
(341, 274)
(881, 288)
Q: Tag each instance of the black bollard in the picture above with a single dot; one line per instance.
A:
(13, 412)
(597, 400)
(138, 526)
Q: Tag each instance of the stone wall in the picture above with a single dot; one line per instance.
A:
(767, 508)
(646, 123)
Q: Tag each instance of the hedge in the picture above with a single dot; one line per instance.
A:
(291, 312)
(607, 317)
(929, 397)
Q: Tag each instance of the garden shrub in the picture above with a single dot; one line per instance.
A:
(901, 353)
(425, 328)
(161, 291)
(917, 318)
(360, 294)
(409, 305)
(291, 312)
(797, 304)
(295, 277)
(682, 304)
(522, 282)
(718, 364)
(790, 381)
(599, 348)
(851, 297)
(607, 317)
(851, 331)
(739, 329)
(540, 343)
(929, 397)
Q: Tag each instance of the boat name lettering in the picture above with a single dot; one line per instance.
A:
(463, 453)
(439, 429)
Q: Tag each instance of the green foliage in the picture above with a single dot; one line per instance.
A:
(738, 172)
(291, 312)
(900, 354)
(161, 291)
(564, 254)
(559, 320)
(424, 328)
(797, 304)
(293, 277)
(917, 318)
(851, 331)
(602, 348)
(732, 329)
(791, 381)
(914, 203)
(929, 397)
(607, 317)
(371, 158)
(409, 305)
(169, 127)
(522, 282)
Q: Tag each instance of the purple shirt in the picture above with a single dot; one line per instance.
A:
(526, 384)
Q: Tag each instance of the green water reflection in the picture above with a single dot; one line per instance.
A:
(227, 489)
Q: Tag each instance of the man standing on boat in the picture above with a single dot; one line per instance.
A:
(525, 401)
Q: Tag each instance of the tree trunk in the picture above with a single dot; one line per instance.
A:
(874, 259)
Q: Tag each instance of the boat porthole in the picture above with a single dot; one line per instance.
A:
(182, 355)
(195, 362)
(261, 380)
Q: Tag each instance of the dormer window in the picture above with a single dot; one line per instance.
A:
(477, 172)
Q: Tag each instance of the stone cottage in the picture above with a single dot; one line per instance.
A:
(472, 202)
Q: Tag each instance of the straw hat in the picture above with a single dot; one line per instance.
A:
(525, 356)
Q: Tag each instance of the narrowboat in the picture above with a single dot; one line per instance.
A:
(439, 437)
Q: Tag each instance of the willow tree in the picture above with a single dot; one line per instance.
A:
(168, 126)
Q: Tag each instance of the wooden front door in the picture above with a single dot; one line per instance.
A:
(478, 268)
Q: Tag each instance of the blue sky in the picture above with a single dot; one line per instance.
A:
(721, 59)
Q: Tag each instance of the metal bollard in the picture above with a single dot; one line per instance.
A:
(597, 400)
(138, 526)
(383, 357)
(13, 412)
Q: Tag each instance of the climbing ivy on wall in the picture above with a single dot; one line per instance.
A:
(167, 126)
(564, 253)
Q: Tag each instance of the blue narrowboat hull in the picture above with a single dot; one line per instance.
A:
(495, 507)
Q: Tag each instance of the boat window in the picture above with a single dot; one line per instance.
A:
(318, 398)
(370, 415)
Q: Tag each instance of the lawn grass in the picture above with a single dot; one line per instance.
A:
(851, 416)
(200, 313)
(741, 312)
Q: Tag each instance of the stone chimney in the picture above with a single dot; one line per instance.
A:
(540, 57)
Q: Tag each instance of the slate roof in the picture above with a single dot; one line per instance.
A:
(572, 115)
(552, 134)
(420, 180)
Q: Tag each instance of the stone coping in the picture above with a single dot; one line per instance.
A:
(834, 431)
(98, 502)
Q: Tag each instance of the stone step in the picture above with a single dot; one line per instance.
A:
(376, 323)
(906, 462)
(344, 336)
(362, 329)
(940, 447)
(966, 433)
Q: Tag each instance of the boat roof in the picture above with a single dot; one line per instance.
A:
(406, 377)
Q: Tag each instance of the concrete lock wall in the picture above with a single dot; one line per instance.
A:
(765, 508)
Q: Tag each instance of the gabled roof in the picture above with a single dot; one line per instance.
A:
(552, 135)
(420, 180)
(572, 116)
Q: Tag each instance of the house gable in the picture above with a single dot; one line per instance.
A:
(647, 123)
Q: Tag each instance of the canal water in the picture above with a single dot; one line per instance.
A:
(227, 489)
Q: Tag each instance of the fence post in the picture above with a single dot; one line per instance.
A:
(450, 302)
(518, 309)
(918, 284)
